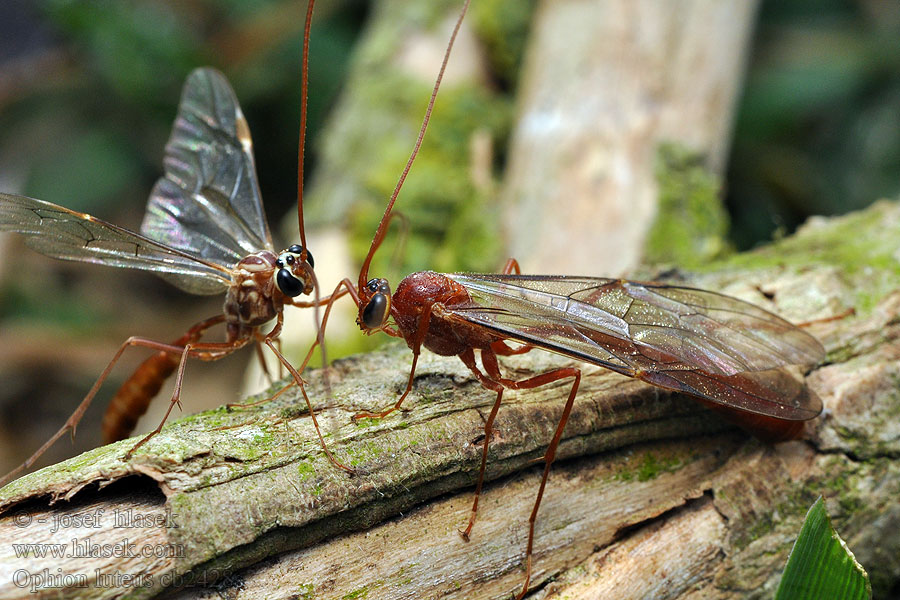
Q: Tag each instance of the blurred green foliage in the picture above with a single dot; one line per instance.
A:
(92, 105)
(818, 127)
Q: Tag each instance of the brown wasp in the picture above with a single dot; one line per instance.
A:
(727, 353)
(205, 231)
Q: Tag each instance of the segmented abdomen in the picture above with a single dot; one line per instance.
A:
(134, 396)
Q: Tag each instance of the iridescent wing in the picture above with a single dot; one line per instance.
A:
(208, 203)
(62, 233)
(703, 343)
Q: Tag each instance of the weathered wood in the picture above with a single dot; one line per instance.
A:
(638, 468)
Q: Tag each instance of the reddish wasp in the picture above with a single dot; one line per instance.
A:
(204, 231)
(727, 353)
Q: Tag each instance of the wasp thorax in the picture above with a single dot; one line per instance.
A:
(293, 276)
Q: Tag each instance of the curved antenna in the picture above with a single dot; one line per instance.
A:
(304, 86)
(383, 225)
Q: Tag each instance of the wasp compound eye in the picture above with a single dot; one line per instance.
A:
(288, 284)
(376, 311)
(293, 253)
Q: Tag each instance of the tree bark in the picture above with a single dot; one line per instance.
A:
(650, 496)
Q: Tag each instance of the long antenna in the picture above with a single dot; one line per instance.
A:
(382, 227)
(304, 88)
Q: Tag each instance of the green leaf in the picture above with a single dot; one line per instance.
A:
(821, 566)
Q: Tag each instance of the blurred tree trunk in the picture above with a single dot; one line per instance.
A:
(606, 83)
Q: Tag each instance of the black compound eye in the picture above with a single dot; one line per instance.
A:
(288, 284)
(375, 313)
(279, 263)
(293, 253)
(372, 286)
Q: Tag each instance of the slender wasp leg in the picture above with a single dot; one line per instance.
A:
(416, 346)
(512, 266)
(203, 351)
(344, 286)
(246, 405)
(312, 413)
(500, 348)
(495, 381)
(328, 301)
(550, 454)
(322, 301)
(71, 423)
(136, 393)
(262, 363)
(299, 381)
(468, 358)
(841, 315)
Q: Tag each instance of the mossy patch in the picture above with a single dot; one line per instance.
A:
(863, 245)
(305, 470)
(357, 594)
(691, 223)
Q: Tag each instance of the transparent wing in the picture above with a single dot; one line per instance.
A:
(208, 203)
(703, 343)
(62, 233)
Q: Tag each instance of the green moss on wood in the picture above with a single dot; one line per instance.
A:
(861, 245)
(691, 223)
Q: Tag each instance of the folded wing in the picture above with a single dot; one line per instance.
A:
(706, 344)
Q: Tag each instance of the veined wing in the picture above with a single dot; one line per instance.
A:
(700, 342)
(208, 203)
(62, 233)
